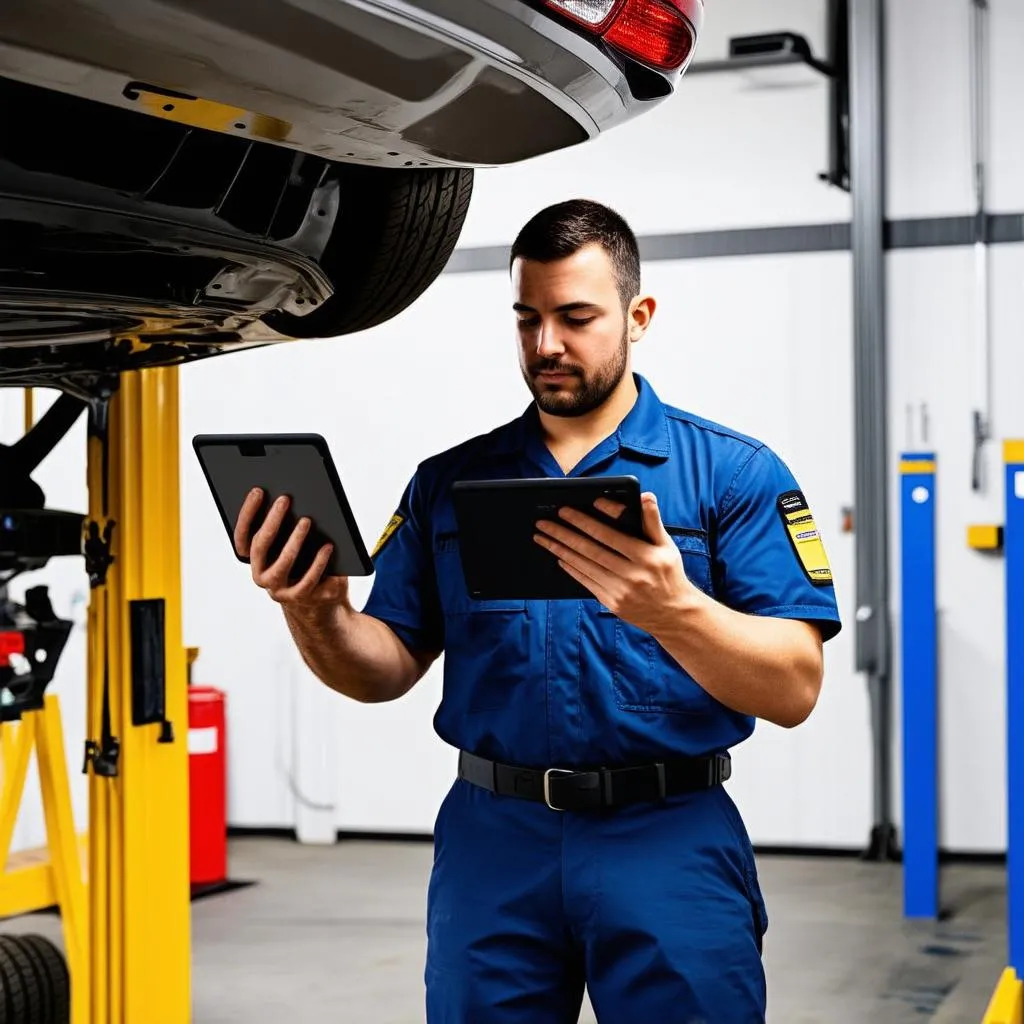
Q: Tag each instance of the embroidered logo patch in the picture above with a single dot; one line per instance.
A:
(389, 531)
(804, 536)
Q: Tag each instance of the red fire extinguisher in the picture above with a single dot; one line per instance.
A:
(207, 770)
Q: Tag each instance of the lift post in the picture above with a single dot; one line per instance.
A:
(1013, 458)
(919, 651)
(1007, 1003)
(139, 894)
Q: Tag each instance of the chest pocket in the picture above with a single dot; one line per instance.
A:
(486, 651)
(645, 677)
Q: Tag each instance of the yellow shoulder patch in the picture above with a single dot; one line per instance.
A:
(804, 536)
(393, 524)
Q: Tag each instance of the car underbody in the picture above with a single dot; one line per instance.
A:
(185, 178)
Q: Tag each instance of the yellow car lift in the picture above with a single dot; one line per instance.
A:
(1007, 1003)
(139, 892)
(126, 919)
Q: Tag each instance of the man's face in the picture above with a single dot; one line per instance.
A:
(573, 333)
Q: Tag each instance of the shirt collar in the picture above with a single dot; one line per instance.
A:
(644, 430)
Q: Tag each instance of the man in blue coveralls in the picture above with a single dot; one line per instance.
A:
(588, 840)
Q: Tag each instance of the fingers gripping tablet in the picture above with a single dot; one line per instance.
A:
(497, 522)
(299, 467)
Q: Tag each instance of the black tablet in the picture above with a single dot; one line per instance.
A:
(299, 466)
(497, 522)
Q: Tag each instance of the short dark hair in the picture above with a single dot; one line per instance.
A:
(561, 230)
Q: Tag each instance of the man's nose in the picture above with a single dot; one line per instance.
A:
(548, 342)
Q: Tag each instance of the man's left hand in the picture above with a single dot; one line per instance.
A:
(641, 581)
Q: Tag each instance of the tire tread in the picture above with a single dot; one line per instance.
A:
(13, 1004)
(57, 980)
(413, 220)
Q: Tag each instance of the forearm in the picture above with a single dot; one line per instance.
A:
(354, 654)
(767, 667)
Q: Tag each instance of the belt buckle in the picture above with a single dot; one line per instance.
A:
(547, 785)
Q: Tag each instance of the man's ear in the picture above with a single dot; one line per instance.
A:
(641, 312)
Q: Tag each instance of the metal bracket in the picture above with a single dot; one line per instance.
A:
(98, 553)
(784, 48)
(103, 759)
(838, 173)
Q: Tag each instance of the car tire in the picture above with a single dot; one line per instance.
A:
(52, 969)
(13, 997)
(395, 232)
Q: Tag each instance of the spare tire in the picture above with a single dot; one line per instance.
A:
(394, 233)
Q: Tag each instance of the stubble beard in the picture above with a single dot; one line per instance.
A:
(589, 392)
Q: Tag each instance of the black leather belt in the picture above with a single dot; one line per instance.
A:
(563, 789)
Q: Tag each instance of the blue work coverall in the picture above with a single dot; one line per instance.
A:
(655, 906)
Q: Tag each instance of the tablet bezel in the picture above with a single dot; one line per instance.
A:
(316, 441)
(513, 502)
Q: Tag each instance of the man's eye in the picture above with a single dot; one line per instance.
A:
(580, 321)
(526, 323)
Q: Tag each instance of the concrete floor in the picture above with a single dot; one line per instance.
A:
(335, 934)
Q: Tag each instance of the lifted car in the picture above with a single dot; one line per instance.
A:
(184, 177)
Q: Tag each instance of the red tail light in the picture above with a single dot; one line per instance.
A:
(660, 33)
(10, 643)
(654, 32)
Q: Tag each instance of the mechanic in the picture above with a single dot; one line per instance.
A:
(633, 874)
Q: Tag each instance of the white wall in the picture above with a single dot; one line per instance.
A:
(763, 343)
(932, 337)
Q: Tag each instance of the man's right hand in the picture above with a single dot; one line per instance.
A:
(314, 589)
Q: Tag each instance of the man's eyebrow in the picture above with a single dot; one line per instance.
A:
(567, 307)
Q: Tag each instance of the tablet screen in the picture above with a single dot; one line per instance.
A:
(299, 466)
(497, 523)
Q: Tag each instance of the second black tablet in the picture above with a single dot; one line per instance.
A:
(497, 523)
(299, 466)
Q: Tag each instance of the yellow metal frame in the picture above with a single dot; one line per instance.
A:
(140, 929)
(128, 931)
(1007, 1004)
(127, 928)
(53, 875)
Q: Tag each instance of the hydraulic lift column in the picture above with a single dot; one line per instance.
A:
(136, 751)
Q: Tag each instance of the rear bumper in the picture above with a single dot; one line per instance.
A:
(390, 82)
